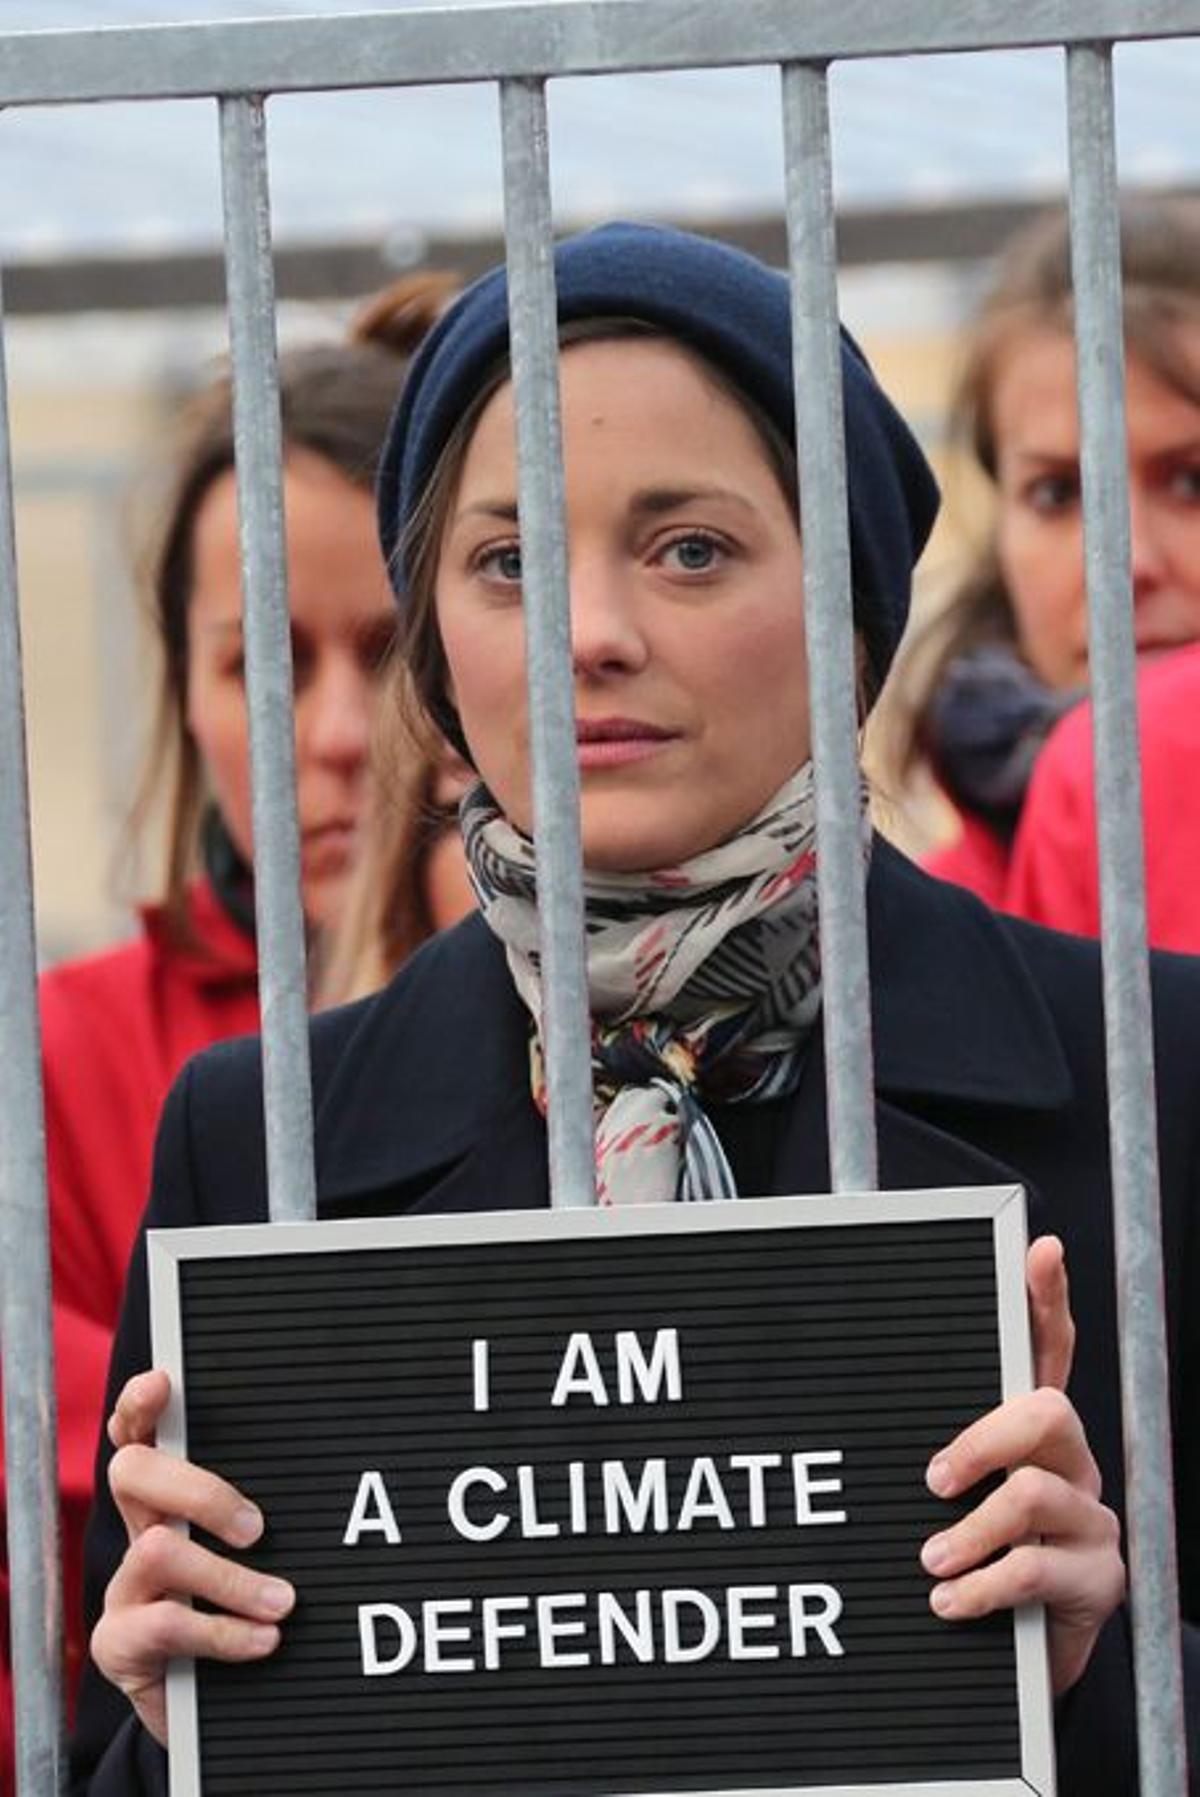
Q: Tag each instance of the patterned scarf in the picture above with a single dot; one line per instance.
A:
(704, 982)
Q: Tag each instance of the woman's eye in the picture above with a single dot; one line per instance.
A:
(695, 553)
(375, 646)
(1184, 483)
(1050, 494)
(502, 563)
(303, 665)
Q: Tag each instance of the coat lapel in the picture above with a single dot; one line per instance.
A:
(961, 1032)
(443, 1052)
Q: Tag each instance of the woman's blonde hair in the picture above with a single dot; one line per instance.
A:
(387, 913)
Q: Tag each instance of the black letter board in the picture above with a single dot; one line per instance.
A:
(614, 1502)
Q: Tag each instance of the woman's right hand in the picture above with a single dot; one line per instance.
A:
(147, 1618)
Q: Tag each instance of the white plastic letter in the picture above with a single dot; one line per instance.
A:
(613, 1620)
(365, 1520)
(625, 1508)
(633, 1369)
(807, 1487)
(704, 1496)
(369, 1617)
(675, 1653)
(437, 1633)
(456, 1503)
(821, 1622)
(550, 1627)
(532, 1525)
(577, 1484)
(479, 1366)
(755, 1466)
(579, 1375)
(495, 1631)
(737, 1597)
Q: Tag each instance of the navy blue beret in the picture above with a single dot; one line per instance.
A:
(735, 312)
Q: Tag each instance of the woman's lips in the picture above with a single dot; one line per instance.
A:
(326, 848)
(1160, 645)
(616, 742)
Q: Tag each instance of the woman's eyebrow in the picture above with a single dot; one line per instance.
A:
(650, 502)
(655, 500)
(1048, 458)
(1184, 445)
(502, 509)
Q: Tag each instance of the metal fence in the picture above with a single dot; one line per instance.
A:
(520, 47)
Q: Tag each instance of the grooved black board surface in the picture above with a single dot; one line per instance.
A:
(881, 1341)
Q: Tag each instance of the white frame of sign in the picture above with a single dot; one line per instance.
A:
(1005, 1205)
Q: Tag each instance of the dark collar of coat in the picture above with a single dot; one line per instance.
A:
(428, 1095)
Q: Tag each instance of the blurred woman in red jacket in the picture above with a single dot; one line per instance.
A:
(117, 1026)
(1003, 660)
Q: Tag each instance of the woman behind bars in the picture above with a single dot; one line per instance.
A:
(693, 746)
(117, 1027)
(983, 683)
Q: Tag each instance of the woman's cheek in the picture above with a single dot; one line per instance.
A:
(486, 685)
(217, 715)
(1041, 565)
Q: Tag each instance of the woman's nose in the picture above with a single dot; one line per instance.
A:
(1146, 548)
(607, 633)
(337, 728)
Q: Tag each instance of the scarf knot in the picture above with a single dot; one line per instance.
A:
(704, 982)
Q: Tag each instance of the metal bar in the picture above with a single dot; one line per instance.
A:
(829, 627)
(559, 37)
(283, 986)
(26, 1341)
(533, 320)
(1095, 258)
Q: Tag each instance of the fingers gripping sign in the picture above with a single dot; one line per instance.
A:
(1043, 1535)
(148, 1616)
(1052, 1325)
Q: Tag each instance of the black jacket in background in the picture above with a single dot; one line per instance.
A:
(989, 1056)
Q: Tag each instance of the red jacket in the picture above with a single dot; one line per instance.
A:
(116, 1029)
(976, 859)
(1054, 875)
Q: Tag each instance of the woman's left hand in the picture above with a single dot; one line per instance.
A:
(1063, 1544)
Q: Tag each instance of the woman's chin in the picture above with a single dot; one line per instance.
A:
(624, 845)
(323, 897)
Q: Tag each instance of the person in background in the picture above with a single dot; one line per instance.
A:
(117, 1026)
(989, 676)
(703, 968)
(1054, 875)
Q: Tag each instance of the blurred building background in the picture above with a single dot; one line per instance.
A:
(110, 234)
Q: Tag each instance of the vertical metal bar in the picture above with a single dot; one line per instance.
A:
(544, 561)
(829, 626)
(30, 1408)
(1095, 258)
(283, 989)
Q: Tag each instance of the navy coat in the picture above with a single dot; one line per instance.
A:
(989, 1056)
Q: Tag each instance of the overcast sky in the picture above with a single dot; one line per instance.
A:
(691, 144)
